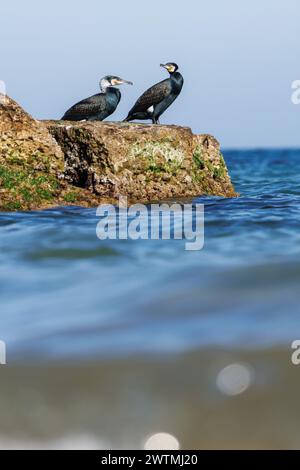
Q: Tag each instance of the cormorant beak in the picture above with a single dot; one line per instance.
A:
(164, 66)
(127, 82)
(121, 81)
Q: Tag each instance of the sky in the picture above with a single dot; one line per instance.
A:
(238, 59)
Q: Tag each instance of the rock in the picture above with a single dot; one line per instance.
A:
(31, 164)
(22, 134)
(45, 164)
(114, 159)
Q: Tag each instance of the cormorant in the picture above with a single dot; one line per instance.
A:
(159, 97)
(100, 106)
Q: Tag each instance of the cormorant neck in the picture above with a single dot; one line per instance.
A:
(104, 85)
(175, 74)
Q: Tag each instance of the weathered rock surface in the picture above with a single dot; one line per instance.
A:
(31, 164)
(50, 163)
(19, 132)
(143, 162)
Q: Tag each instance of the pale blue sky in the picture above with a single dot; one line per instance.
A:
(238, 58)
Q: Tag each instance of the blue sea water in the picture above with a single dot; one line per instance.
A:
(67, 295)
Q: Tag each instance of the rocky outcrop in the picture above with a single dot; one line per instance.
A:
(19, 132)
(32, 164)
(53, 162)
(144, 162)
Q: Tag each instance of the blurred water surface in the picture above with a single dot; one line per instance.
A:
(141, 329)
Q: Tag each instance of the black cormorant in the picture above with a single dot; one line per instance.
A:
(159, 97)
(100, 106)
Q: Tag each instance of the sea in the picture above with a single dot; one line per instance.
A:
(128, 344)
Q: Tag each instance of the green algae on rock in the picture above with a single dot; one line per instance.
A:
(45, 164)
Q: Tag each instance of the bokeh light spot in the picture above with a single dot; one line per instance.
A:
(234, 379)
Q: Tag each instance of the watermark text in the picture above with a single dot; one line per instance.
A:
(152, 222)
(2, 353)
(295, 97)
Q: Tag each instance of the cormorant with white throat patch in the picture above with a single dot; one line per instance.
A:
(100, 106)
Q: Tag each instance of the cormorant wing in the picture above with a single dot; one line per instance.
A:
(83, 109)
(152, 96)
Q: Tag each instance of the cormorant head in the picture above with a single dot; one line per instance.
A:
(112, 80)
(171, 67)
